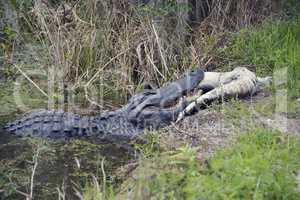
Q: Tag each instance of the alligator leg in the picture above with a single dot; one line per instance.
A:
(153, 117)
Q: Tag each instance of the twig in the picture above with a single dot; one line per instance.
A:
(24, 194)
(102, 68)
(182, 132)
(31, 81)
(90, 100)
(160, 48)
(35, 160)
(155, 68)
(62, 193)
(12, 51)
(104, 176)
(74, 4)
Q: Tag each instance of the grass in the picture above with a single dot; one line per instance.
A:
(260, 165)
(269, 48)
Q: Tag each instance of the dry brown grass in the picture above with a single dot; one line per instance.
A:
(106, 50)
(109, 47)
(236, 14)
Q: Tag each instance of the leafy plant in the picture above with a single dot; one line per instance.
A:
(260, 165)
(149, 146)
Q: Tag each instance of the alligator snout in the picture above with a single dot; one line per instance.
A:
(152, 107)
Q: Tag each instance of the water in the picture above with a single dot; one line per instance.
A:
(64, 165)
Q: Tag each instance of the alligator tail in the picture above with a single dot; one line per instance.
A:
(50, 124)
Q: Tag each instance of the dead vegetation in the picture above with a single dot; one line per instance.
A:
(107, 50)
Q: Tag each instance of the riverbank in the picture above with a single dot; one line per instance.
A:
(236, 149)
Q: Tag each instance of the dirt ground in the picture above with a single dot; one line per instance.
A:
(211, 128)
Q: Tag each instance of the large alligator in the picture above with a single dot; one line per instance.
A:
(154, 108)
(149, 109)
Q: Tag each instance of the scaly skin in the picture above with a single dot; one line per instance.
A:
(144, 110)
(62, 125)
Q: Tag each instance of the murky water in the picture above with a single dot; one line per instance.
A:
(63, 165)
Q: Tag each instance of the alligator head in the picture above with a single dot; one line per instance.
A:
(157, 107)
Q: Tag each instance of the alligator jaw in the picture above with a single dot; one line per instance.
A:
(161, 98)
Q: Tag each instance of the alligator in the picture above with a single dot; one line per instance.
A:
(150, 109)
